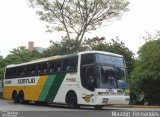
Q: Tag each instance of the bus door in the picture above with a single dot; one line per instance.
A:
(92, 78)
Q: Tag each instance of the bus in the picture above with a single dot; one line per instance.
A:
(93, 78)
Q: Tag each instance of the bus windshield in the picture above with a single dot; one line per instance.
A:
(100, 58)
(111, 77)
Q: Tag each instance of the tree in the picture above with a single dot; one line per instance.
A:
(2, 66)
(16, 56)
(20, 55)
(65, 46)
(78, 16)
(146, 76)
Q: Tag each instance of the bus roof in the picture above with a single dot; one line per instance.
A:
(101, 52)
(62, 56)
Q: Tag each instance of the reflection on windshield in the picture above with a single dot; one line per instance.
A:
(111, 77)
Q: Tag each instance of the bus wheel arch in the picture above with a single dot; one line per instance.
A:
(71, 99)
(15, 96)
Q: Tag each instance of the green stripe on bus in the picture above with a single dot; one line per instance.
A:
(46, 87)
(55, 87)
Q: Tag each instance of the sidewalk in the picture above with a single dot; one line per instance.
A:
(135, 106)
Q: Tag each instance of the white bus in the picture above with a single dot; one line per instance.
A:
(94, 78)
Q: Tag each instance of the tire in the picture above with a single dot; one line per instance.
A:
(71, 100)
(21, 97)
(98, 107)
(15, 97)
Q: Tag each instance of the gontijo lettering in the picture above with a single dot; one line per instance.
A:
(26, 81)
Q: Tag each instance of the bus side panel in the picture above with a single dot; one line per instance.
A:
(37, 89)
(69, 83)
(55, 87)
(7, 92)
(31, 92)
(46, 88)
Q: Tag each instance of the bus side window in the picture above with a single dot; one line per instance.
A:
(32, 70)
(11, 73)
(42, 68)
(54, 66)
(58, 66)
(8, 73)
(87, 59)
(70, 64)
(22, 71)
(51, 67)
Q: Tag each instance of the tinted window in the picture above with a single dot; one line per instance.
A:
(15, 72)
(42, 68)
(21, 72)
(55, 66)
(70, 64)
(87, 59)
(100, 58)
(32, 70)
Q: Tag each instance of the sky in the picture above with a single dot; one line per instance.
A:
(20, 24)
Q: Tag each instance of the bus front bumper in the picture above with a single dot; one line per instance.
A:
(111, 100)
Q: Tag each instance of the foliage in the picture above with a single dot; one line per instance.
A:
(65, 46)
(78, 16)
(146, 75)
(2, 66)
(18, 55)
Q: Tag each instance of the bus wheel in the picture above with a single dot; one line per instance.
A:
(71, 100)
(15, 97)
(98, 107)
(21, 97)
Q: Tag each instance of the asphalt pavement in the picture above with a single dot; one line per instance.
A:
(10, 109)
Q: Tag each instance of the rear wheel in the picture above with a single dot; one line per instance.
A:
(71, 100)
(15, 97)
(21, 97)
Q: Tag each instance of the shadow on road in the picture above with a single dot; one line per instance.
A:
(64, 106)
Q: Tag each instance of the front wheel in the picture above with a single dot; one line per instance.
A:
(71, 100)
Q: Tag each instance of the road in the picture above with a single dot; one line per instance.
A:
(29, 110)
